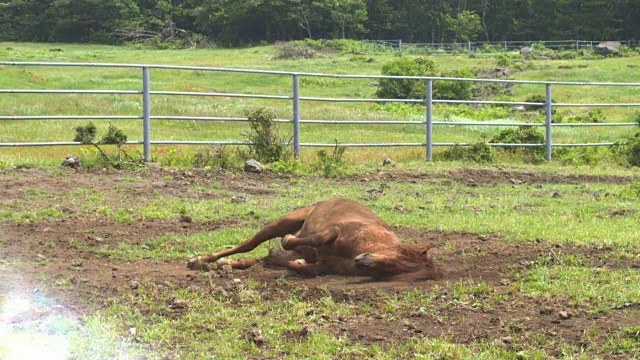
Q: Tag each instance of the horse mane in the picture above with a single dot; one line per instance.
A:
(416, 262)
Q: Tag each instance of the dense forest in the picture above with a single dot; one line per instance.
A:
(243, 22)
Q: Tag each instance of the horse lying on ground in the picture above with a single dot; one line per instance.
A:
(336, 236)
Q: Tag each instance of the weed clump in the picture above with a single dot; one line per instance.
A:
(216, 156)
(293, 51)
(330, 163)
(522, 135)
(267, 144)
(114, 136)
(479, 152)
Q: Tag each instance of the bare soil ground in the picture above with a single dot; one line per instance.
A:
(43, 250)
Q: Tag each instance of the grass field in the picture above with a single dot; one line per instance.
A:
(539, 261)
(610, 70)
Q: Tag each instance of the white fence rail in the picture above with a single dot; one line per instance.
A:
(295, 98)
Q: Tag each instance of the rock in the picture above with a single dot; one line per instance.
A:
(519, 108)
(255, 337)
(387, 161)
(608, 48)
(186, 219)
(564, 315)
(542, 58)
(72, 162)
(527, 51)
(237, 199)
(253, 166)
(556, 195)
(134, 284)
(153, 166)
(180, 304)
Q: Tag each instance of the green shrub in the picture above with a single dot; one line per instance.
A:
(453, 90)
(479, 152)
(508, 59)
(405, 88)
(416, 89)
(268, 145)
(330, 163)
(580, 155)
(522, 135)
(86, 134)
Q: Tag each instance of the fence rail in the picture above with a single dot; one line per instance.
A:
(296, 120)
(480, 47)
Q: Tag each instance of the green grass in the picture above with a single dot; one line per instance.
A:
(610, 70)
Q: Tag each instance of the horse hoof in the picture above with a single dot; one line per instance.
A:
(364, 260)
(285, 240)
(197, 264)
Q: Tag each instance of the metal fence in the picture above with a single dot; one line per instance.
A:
(480, 47)
(295, 98)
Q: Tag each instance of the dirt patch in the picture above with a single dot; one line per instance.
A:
(62, 258)
(478, 177)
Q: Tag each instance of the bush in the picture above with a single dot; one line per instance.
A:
(522, 135)
(401, 88)
(293, 51)
(416, 89)
(508, 59)
(114, 136)
(479, 152)
(580, 156)
(267, 144)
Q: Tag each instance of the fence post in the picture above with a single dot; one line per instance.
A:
(146, 115)
(296, 116)
(469, 48)
(400, 45)
(548, 111)
(429, 129)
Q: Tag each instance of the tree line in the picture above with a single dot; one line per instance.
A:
(244, 22)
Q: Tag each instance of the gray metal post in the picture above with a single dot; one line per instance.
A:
(548, 110)
(400, 45)
(296, 116)
(429, 120)
(146, 115)
(469, 48)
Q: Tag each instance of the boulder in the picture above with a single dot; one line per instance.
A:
(527, 51)
(608, 48)
(253, 166)
(72, 162)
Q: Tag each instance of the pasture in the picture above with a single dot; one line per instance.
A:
(608, 70)
(539, 261)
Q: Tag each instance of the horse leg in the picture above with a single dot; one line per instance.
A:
(291, 223)
(331, 265)
(291, 242)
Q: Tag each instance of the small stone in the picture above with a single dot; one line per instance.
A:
(387, 161)
(253, 166)
(77, 264)
(135, 284)
(153, 166)
(179, 304)
(186, 219)
(564, 315)
(41, 257)
(556, 195)
(72, 162)
(507, 339)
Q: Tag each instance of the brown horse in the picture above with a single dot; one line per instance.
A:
(336, 236)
